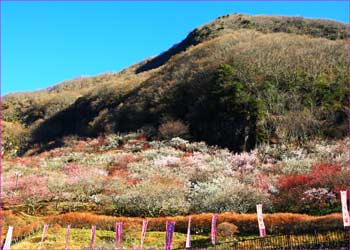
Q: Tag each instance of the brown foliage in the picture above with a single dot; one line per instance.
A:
(172, 129)
(279, 223)
(22, 226)
(201, 223)
(227, 229)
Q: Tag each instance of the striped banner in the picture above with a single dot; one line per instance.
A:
(93, 232)
(170, 228)
(43, 235)
(118, 234)
(213, 228)
(8, 240)
(188, 237)
(67, 236)
(261, 224)
(344, 206)
(143, 233)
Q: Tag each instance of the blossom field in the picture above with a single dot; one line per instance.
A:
(127, 178)
(126, 175)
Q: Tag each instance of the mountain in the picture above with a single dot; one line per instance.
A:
(235, 82)
(150, 140)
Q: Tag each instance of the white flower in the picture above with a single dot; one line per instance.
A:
(167, 161)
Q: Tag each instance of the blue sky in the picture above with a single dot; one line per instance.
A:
(43, 43)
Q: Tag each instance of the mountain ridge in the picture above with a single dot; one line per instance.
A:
(197, 32)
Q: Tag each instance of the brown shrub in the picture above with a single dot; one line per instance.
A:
(55, 229)
(171, 129)
(227, 229)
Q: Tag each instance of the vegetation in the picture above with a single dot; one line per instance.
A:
(79, 238)
(236, 82)
(267, 24)
(131, 176)
(245, 110)
(172, 129)
(242, 226)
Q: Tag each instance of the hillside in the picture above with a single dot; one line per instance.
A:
(131, 176)
(236, 82)
(245, 110)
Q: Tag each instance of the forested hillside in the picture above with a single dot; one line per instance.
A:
(236, 82)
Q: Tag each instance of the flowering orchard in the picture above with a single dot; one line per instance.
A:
(130, 176)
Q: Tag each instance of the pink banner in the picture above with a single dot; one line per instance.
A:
(118, 234)
(213, 228)
(344, 206)
(67, 236)
(93, 232)
(7, 245)
(261, 224)
(170, 228)
(43, 235)
(143, 233)
(188, 237)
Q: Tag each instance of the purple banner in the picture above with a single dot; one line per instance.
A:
(170, 228)
(344, 206)
(262, 230)
(93, 232)
(67, 236)
(143, 233)
(188, 237)
(43, 235)
(213, 228)
(118, 233)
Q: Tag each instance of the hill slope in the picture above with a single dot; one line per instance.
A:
(266, 24)
(235, 82)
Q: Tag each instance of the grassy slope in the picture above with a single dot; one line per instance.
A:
(176, 91)
(23, 112)
(226, 24)
(80, 238)
(200, 229)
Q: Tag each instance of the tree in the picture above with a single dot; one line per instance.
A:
(228, 114)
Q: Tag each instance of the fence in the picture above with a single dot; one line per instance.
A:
(20, 238)
(327, 241)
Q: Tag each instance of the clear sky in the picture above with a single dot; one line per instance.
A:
(43, 43)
